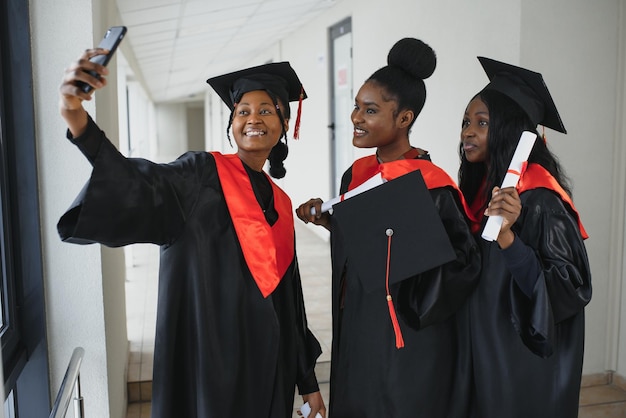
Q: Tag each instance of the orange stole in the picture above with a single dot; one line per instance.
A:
(534, 176)
(434, 176)
(268, 250)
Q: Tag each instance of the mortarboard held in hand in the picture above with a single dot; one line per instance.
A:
(393, 232)
(527, 89)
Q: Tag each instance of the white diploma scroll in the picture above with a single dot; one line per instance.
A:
(306, 410)
(375, 180)
(525, 145)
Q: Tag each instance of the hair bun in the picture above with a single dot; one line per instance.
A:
(413, 56)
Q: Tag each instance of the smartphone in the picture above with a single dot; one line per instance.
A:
(110, 41)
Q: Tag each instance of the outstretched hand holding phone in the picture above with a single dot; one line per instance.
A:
(112, 38)
(83, 76)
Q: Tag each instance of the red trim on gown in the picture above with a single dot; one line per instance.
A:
(434, 176)
(534, 176)
(268, 250)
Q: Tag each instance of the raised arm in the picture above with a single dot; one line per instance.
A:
(71, 96)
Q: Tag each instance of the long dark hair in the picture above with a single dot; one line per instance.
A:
(507, 121)
(410, 61)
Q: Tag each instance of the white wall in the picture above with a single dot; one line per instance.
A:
(142, 129)
(66, 293)
(574, 44)
(218, 121)
(113, 262)
(195, 127)
(616, 326)
(180, 127)
(84, 302)
(171, 130)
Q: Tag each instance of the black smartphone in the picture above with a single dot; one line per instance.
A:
(110, 41)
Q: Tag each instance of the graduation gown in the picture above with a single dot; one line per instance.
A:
(523, 349)
(222, 349)
(370, 377)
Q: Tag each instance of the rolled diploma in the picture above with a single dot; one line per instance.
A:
(375, 180)
(524, 146)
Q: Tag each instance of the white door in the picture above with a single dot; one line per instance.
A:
(342, 101)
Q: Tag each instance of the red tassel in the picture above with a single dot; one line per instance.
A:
(394, 321)
(392, 310)
(296, 129)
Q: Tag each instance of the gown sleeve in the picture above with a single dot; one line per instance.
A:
(524, 266)
(562, 287)
(130, 200)
(434, 295)
(309, 347)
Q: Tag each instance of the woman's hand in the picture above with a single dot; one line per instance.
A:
(316, 402)
(71, 93)
(506, 203)
(304, 213)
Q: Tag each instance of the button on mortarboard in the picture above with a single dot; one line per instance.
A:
(403, 210)
(527, 88)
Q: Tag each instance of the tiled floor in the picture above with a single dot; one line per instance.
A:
(601, 395)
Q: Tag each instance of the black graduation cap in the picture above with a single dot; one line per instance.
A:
(403, 206)
(277, 77)
(527, 89)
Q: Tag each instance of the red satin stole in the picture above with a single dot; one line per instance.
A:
(268, 250)
(434, 176)
(534, 176)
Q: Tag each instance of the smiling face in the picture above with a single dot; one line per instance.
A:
(475, 130)
(377, 123)
(256, 127)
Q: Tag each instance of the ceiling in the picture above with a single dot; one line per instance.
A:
(178, 44)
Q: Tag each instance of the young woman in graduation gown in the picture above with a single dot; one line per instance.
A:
(523, 328)
(231, 337)
(385, 364)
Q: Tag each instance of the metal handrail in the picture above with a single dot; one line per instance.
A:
(71, 383)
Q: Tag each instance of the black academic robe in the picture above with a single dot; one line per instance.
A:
(523, 350)
(372, 378)
(221, 348)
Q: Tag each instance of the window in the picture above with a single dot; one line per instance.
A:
(22, 325)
